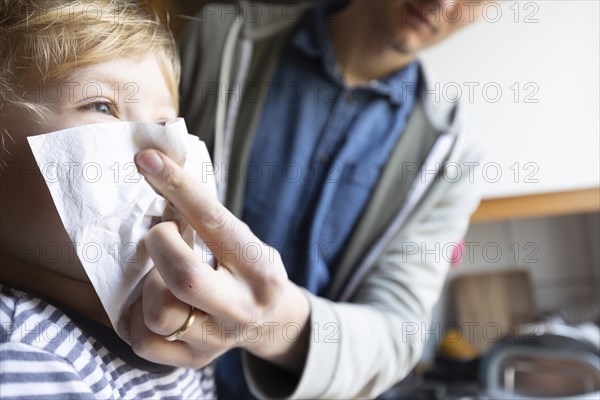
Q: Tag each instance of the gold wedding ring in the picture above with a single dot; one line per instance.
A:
(178, 334)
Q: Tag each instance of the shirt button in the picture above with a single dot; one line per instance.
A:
(349, 97)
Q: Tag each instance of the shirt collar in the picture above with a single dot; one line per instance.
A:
(400, 84)
(312, 39)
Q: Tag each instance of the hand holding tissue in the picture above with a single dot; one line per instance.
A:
(107, 207)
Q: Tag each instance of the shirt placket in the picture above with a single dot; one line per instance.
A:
(330, 158)
(328, 153)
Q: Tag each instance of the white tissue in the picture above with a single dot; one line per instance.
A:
(107, 207)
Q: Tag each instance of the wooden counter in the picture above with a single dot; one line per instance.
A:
(539, 205)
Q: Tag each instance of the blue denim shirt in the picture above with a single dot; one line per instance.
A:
(317, 155)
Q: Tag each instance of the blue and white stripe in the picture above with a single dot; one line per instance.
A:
(44, 355)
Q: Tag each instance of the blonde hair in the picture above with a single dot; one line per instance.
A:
(43, 40)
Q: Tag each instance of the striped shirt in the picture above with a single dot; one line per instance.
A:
(45, 355)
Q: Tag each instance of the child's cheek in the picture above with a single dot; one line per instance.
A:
(31, 229)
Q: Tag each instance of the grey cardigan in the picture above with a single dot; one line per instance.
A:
(370, 330)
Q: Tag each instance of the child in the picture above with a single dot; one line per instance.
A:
(66, 63)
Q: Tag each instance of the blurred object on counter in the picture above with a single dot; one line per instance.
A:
(456, 346)
(551, 360)
(451, 370)
(489, 306)
(576, 314)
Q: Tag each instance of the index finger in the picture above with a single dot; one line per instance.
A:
(222, 232)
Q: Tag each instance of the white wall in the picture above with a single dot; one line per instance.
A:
(550, 49)
(556, 251)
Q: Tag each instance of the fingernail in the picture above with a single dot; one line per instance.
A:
(150, 162)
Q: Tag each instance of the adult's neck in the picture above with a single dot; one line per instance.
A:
(361, 48)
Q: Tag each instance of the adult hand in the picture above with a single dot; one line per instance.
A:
(247, 301)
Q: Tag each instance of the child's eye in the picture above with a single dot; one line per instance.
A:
(102, 108)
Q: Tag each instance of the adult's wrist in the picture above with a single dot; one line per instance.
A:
(285, 333)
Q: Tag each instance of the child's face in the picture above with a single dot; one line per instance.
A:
(125, 90)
